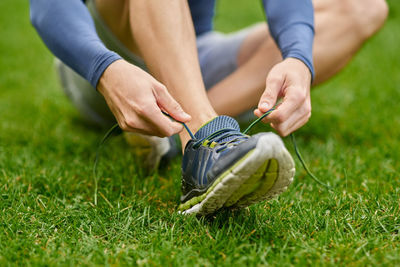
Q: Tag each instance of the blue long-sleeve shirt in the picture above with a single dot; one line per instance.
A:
(67, 28)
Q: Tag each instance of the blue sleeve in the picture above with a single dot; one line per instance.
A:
(291, 23)
(67, 29)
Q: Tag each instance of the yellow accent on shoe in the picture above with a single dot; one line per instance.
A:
(251, 185)
(268, 180)
(195, 200)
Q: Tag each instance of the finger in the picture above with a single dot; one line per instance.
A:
(298, 124)
(303, 115)
(138, 126)
(149, 121)
(133, 123)
(270, 95)
(292, 122)
(291, 102)
(164, 126)
(148, 126)
(258, 112)
(169, 104)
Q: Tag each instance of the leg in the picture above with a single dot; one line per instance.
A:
(249, 169)
(341, 28)
(173, 61)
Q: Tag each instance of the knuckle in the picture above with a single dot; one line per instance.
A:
(273, 76)
(280, 131)
(283, 131)
(168, 131)
(308, 109)
(273, 81)
(176, 106)
(161, 88)
(139, 109)
(178, 128)
(144, 109)
(267, 94)
(308, 117)
(130, 123)
(157, 133)
(279, 117)
(123, 126)
(301, 96)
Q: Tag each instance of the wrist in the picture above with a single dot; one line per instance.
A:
(305, 65)
(107, 75)
(301, 67)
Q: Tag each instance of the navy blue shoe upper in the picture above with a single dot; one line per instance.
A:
(216, 147)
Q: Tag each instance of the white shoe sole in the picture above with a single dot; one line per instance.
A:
(269, 148)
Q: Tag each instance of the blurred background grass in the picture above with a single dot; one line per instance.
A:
(46, 155)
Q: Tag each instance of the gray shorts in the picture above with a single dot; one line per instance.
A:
(218, 53)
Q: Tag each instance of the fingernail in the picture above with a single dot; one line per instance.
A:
(264, 105)
(186, 116)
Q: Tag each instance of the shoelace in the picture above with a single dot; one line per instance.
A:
(213, 137)
(220, 135)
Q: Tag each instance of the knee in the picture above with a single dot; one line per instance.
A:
(367, 16)
(378, 11)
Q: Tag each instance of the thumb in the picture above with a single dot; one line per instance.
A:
(166, 102)
(270, 95)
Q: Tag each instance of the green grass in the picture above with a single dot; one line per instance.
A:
(46, 188)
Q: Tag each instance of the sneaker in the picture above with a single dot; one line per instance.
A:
(153, 149)
(224, 168)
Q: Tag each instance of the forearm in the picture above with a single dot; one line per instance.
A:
(164, 33)
(291, 24)
(67, 29)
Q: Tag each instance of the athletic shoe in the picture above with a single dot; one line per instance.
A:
(153, 149)
(224, 168)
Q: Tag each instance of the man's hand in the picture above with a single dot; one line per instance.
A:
(136, 99)
(290, 80)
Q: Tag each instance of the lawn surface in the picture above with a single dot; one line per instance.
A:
(47, 216)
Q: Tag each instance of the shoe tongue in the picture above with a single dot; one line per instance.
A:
(216, 124)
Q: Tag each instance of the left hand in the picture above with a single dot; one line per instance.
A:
(290, 80)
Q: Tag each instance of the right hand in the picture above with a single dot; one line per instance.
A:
(136, 99)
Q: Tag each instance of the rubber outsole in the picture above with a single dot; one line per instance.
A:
(263, 173)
